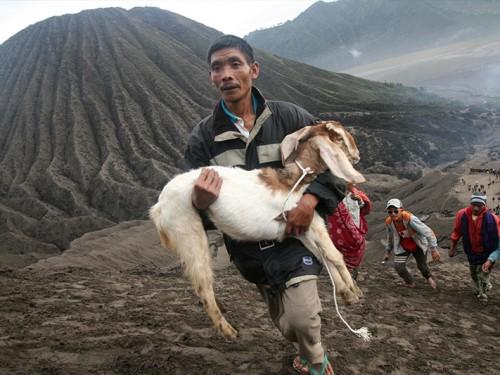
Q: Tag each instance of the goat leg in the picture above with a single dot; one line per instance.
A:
(334, 260)
(195, 255)
(193, 250)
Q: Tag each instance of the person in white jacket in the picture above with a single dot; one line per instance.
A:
(407, 235)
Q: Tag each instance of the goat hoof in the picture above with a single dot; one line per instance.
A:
(350, 298)
(357, 291)
(228, 332)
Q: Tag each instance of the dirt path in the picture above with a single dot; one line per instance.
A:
(57, 318)
(146, 321)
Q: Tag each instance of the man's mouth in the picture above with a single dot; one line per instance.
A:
(229, 87)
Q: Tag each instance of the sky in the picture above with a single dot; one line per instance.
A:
(16, 15)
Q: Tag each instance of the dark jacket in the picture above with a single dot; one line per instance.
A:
(480, 238)
(216, 141)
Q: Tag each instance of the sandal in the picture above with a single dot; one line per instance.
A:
(304, 367)
(300, 365)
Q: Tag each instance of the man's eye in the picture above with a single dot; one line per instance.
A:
(236, 64)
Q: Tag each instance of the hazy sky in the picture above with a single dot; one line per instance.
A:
(16, 15)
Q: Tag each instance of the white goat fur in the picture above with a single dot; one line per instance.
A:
(246, 210)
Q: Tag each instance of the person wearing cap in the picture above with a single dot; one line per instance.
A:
(479, 229)
(407, 235)
(347, 227)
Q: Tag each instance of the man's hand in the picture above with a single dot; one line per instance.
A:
(206, 189)
(487, 266)
(436, 257)
(356, 197)
(453, 251)
(300, 217)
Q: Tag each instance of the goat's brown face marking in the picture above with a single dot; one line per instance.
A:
(339, 135)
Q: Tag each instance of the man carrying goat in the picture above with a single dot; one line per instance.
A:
(245, 131)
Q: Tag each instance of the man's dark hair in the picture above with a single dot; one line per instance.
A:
(232, 41)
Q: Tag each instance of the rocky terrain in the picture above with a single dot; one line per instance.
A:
(116, 303)
(95, 110)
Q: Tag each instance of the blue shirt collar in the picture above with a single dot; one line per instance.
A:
(232, 116)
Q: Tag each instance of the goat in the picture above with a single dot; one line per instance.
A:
(263, 195)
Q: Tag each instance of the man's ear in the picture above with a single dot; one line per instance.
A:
(255, 69)
(291, 142)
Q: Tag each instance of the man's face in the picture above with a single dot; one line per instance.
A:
(393, 212)
(477, 208)
(231, 73)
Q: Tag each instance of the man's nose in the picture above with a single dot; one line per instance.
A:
(227, 74)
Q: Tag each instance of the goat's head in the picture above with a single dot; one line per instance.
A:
(327, 143)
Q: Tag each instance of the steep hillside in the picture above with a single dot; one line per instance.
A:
(347, 33)
(95, 110)
(465, 67)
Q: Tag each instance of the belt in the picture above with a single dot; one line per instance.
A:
(265, 244)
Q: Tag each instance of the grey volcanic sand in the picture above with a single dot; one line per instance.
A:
(116, 303)
(148, 321)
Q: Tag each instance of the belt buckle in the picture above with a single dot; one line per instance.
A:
(264, 245)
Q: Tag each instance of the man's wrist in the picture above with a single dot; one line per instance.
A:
(309, 200)
(196, 207)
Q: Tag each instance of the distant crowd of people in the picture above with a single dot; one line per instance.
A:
(493, 182)
(492, 171)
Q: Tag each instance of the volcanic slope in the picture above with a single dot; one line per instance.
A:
(343, 34)
(95, 110)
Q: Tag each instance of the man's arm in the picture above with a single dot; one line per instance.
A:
(390, 241)
(197, 152)
(367, 204)
(455, 235)
(323, 195)
(208, 184)
(492, 259)
(424, 230)
(329, 190)
(494, 256)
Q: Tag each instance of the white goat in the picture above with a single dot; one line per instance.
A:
(262, 196)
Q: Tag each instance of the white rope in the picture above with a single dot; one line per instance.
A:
(305, 172)
(361, 332)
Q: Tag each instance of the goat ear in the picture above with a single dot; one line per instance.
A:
(340, 132)
(291, 142)
(338, 163)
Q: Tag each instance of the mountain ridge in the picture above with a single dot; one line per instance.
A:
(96, 108)
(358, 32)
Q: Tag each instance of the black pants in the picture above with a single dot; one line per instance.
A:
(272, 263)
(421, 259)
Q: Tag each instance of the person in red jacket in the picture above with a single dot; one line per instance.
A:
(347, 227)
(479, 229)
